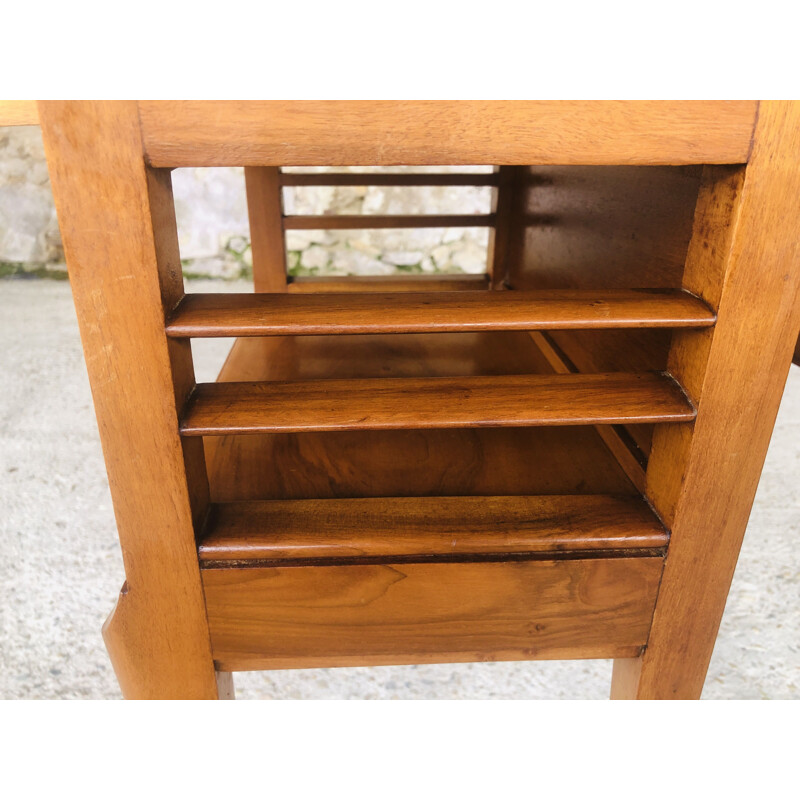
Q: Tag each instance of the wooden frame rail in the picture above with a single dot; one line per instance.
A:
(301, 222)
(388, 179)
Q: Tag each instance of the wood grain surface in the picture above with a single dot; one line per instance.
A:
(212, 315)
(391, 403)
(280, 617)
(365, 133)
(265, 215)
(118, 225)
(467, 461)
(702, 478)
(336, 222)
(391, 283)
(388, 179)
(413, 526)
(18, 112)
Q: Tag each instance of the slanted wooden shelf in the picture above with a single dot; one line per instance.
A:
(554, 459)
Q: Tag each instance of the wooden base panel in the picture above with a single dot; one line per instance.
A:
(281, 617)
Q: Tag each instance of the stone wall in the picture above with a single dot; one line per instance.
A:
(29, 237)
(213, 231)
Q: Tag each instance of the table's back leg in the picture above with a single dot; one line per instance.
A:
(265, 211)
(744, 260)
(118, 226)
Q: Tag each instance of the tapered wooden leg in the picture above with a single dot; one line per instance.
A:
(702, 477)
(120, 239)
(141, 668)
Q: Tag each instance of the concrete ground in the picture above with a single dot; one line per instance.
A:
(60, 565)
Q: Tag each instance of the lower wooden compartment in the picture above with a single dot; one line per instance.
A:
(365, 615)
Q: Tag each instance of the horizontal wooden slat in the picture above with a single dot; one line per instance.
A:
(406, 527)
(365, 222)
(391, 403)
(18, 112)
(390, 283)
(209, 315)
(328, 616)
(390, 132)
(388, 179)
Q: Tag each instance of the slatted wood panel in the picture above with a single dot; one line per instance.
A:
(408, 527)
(211, 315)
(389, 403)
(288, 617)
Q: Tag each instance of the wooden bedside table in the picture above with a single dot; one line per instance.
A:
(555, 460)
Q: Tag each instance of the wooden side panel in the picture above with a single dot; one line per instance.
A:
(279, 617)
(118, 227)
(702, 478)
(386, 132)
(604, 228)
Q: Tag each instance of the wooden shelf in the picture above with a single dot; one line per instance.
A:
(386, 463)
(440, 527)
(392, 403)
(215, 315)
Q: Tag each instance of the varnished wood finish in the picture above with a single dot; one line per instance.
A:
(617, 439)
(605, 227)
(391, 403)
(391, 283)
(457, 549)
(279, 617)
(504, 208)
(122, 257)
(456, 462)
(702, 479)
(18, 112)
(335, 222)
(388, 179)
(433, 526)
(265, 212)
(364, 133)
(467, 461)
(273, 314)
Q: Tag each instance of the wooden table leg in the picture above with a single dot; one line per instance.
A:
(118, 225)
(702, 477)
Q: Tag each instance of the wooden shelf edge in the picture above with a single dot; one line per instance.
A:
(391, 528)
(427, 403)
(281, 314)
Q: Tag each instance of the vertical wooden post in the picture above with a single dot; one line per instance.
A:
(118, 225)
(499, 236)
(265, 210)
(744, 260)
